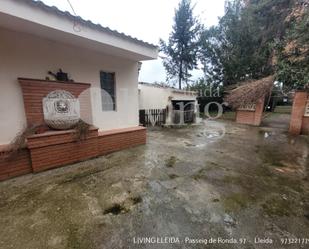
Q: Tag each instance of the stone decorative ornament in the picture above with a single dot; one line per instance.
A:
(248, 107)
(61, 110)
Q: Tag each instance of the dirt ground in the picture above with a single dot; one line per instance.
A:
(228, 185)
(277, 120)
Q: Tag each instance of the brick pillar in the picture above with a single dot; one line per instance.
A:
(298, 111)
(305, 126)
(251, 117)
(259, 109)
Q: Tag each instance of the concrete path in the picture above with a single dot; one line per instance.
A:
(227, 185)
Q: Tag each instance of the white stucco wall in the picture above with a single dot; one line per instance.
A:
(46, 22)
(153, 97)
(27, 56)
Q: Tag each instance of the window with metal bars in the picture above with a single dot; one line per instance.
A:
(108, 91)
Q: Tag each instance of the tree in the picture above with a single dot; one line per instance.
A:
(293, 52)
(233, 50)
(182, 46)
(256, 38)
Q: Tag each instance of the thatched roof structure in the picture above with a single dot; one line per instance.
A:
(249, 92)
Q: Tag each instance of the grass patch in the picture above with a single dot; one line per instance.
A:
(277, 206)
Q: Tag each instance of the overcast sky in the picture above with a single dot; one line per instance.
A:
(148, 20)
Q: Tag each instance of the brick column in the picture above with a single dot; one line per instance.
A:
(259, 109)
(251, 117)
(298, 111)
(305, 126)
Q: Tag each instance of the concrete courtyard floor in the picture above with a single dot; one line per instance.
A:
(188, 183)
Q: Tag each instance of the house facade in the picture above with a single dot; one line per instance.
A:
(100, 63)
(176, 102)
(153, 96)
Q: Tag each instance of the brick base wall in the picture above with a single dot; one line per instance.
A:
(111, 141)
(58, 148)
(245, 117)
(52, 149)
(298, 123)
(19, 164)
(251, 117)
(305, 126)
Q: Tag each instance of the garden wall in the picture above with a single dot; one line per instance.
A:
(299, 123)
(58, 148)
(251, 117)
(18, 164)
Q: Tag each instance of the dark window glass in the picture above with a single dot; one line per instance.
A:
(108, 91)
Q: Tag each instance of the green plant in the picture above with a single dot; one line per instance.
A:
(82, 130)
(20, 140)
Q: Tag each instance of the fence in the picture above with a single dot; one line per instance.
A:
(188, 116)
(155, 117)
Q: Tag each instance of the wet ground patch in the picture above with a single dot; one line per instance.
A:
(173, 176)
(116, 209)
(230, 186)
(170, 162)
(236, 202)
(279, 206)
(124, 207)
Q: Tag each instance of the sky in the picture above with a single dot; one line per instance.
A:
(148, 20)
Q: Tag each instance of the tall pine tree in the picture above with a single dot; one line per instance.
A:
(181, 49)
(256, 38)
(233, 50)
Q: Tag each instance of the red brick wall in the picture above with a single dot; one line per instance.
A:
(114, 140)
(19, 164)
(58, 148)
(298, 112)
(35, 90)
(245, 117)
(258, 115)
(305, 126)
(251, 117)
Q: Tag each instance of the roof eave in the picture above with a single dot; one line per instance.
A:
(51, 23)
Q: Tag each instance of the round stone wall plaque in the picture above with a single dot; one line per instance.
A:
(61, 110)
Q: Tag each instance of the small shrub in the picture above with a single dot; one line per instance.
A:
(82, 130)
(19, 142)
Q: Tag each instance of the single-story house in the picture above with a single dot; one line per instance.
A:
(160, 97)
(97, 63)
